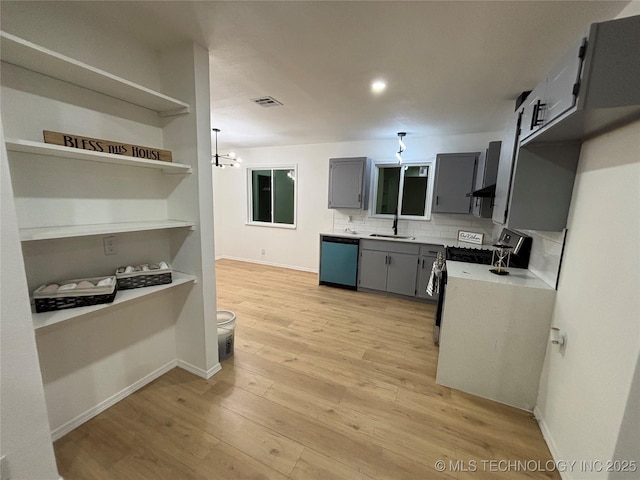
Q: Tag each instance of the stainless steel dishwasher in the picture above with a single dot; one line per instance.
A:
(339, 261)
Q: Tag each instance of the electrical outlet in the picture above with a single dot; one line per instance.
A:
(109, 245)
(5, 474)
(263, 252)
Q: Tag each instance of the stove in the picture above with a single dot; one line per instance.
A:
(470, 255)
(521, 245)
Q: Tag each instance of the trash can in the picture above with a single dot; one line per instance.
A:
(226, 326)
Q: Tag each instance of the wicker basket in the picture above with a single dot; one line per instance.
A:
(143, 278)
(46, 301)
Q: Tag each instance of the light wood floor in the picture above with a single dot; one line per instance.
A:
(324, 384)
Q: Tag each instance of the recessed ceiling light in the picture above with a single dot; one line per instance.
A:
(378, 86)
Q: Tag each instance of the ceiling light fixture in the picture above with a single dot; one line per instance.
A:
(378, 86)
(402, 147)
(224, 160)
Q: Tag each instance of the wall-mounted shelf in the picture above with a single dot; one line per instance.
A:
(48, 149)
(45, 319)
(31, 56)
(69, 231)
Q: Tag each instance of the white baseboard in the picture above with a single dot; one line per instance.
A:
(206, 374)
(270, 264)
(548, 438)
(102, 406)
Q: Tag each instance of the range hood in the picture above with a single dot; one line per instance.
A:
(486, 192)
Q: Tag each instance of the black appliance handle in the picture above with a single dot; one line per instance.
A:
(347, 240)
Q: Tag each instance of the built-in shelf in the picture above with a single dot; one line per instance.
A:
(31, 56)
(45, 319)
(48, 149)
(69, 231)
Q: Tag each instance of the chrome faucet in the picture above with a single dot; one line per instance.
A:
(395, 223)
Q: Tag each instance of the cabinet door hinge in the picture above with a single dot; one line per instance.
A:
(583, 49)
(576, 89)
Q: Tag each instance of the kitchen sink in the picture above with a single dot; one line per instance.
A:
(383, 235)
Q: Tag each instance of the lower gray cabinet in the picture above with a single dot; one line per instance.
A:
(428, 255)
(372, 271)
(401, 274)
(388, 267)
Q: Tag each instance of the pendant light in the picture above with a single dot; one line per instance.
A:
(402, 147)
(224, 160)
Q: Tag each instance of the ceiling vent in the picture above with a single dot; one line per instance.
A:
(266, 102)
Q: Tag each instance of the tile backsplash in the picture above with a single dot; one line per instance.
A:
(440, 225)
(546, 247)
(546, 253)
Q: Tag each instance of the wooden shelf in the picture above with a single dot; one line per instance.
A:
(69, 231)
(45, 319)
(23, 53)
(48, 149)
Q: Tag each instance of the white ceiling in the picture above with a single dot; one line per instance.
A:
(451, 67)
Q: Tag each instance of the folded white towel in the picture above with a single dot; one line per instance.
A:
(105, 282)
(432, 286)
(68, 286)
(52, 288)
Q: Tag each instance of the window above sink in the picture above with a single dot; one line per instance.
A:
(405, 188)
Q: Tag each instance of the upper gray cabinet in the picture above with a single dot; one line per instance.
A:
(454, 179)
(592, 88)
(349, 182)
(505, 168)
(486, 176)
(541, 187)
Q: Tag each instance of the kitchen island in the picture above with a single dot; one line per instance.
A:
(494, 333)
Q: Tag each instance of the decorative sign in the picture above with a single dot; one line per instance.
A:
(106, 146)
(470, 237)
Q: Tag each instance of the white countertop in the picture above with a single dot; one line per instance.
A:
(473, 271)
(446, 242)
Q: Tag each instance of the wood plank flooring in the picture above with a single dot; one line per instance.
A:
(324, 384)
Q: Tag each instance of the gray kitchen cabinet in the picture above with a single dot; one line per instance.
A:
(372, 270)
(555, 94)
(401, 273)
(591, 89)
(535, 179)
(505, 168)
(388, 267)
(486, 176)
(535, 182)
(349, 182)
(454, 179)
(428, 255)
(541, 188)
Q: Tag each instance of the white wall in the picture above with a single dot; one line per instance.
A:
(299, 248)
(83, 38)
(25, 436)
(585, 389)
